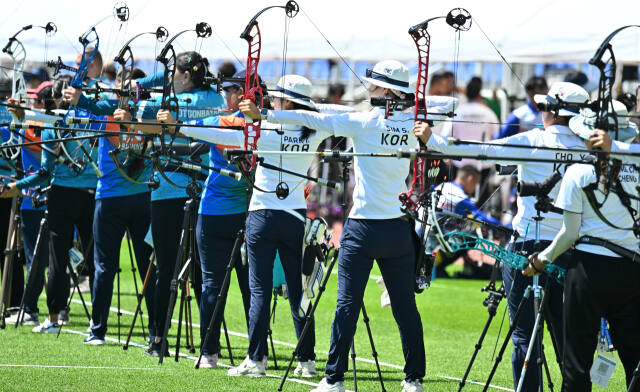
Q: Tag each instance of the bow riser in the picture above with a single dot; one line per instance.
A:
(252, 87)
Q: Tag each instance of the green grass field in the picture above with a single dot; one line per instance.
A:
(452, 315)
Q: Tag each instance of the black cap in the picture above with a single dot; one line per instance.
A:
(241, 75)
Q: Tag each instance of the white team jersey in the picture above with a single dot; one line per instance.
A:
(268, 179)
(529, 119)
(555, 136)
(572, 198)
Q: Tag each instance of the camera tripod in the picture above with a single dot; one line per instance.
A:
(491, 302)
(539, 303)
(13, 246)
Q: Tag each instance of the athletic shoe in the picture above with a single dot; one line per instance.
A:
(154, 350)
(248, 368)
(47, 327)
(324, 386)
(209, 361)
(305, 369)
(94, 340)
(63, 317)
(412, 386)
(27, 319)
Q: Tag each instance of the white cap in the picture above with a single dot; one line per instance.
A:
(390, 74)
(584, 124)
(294, 88)
(566, 92)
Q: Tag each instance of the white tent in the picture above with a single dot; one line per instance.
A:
(524, 31)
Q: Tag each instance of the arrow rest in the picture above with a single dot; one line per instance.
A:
(458, 18)
(203, 30)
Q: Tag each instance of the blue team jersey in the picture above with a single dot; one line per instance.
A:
(193, 105)
(222, 195)
(30, 164)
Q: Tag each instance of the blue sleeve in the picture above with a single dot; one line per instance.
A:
(102, 107)
(151, 80)
(466, 207)
(44, 174)
(510, 127)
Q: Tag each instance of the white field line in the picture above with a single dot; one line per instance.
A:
(194, 358)
(287, 344)
(72, 367)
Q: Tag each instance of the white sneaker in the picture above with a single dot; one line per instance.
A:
(94, 341)
(324, 386)
(209, 361)
(27, 319)
(412, 386)
(305, 369)
(248, 368)
(47, 327)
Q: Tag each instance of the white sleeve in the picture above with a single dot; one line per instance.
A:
(494, 149)
(617, 146)
(570, 194)
(214, 135)
(346, 124)
(567, 236)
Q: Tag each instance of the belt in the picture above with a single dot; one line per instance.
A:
(615, 248)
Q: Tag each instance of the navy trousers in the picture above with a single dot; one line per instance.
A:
(30, 227)
(113, 216)
(269, 231)
(216, 235)
(166, 227)
(515, 284)
(389, 242)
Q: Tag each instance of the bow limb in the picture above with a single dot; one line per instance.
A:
(114, 155)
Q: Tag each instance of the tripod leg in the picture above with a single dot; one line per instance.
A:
(226, 336)
(535, 337)
(478, 346)
(222, 295)
(33, 271)
(191, 346)
(139, 305)
(118, 287)
(374, 353)
(76, 287)
(636, 378)
(353, 361)
(173, 287)
(9, 260)
(311, 312)
(270, 332)
(180, 313)
(512, 328)
(135, 281)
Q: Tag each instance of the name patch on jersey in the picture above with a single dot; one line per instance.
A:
(394, 137)
(294, 143)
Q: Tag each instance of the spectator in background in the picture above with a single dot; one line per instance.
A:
(336, 91)
(110, 72)
(436, 86)
(579, 78)
(36, 77)
(527, 116)
(227, 69)
(474, 120)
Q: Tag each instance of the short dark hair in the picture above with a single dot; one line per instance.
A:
(468, 170)
(336, 88)
(534, 83)
(227, 69)
(473, 88)
(448, 74)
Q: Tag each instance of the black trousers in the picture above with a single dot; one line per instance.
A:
(599, 286)
(166, 226)
(68, 208)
